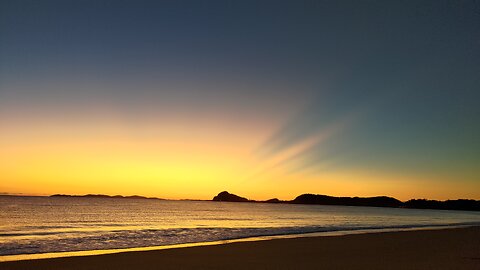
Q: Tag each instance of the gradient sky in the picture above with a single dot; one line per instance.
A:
(184, 99)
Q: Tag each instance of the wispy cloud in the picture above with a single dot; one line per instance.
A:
(313, 139)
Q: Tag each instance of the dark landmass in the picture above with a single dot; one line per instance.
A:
(227, 197)
(380, 201)
(355, 201)
(102, 196)
(274, 200)
(469, 205)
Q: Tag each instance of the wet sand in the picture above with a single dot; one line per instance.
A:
(424, 249)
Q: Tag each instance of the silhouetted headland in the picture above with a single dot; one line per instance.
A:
(227, 197)
(102, 196)
(380, 201)
(469, 205)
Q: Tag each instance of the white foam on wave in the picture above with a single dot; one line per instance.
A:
(121, 239)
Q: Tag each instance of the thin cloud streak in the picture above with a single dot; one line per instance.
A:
(316, 139)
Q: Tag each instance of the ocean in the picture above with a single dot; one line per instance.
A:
(39, 225)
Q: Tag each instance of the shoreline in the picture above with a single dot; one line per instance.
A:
(95, 252)
(46, 257)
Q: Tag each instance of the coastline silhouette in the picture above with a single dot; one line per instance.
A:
(379, 201)
(317, 199)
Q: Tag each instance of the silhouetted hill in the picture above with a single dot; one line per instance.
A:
(227, 197)
(102, 196)
(274, 200)
(382, 201)
(469, 205)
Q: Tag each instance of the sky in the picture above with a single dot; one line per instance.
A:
(184, 99)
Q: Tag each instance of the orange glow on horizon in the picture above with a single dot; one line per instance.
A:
(183, 159)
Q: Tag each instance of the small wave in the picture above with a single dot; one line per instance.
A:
(98, 240)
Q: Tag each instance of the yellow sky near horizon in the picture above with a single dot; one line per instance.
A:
(44, 157)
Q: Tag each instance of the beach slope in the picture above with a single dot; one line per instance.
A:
(457, 248)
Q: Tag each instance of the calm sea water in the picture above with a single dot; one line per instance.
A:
(31, 225)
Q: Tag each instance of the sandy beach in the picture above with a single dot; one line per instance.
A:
(457, 248)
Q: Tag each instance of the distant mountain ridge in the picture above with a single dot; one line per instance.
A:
(102, 196)
(380, 201)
